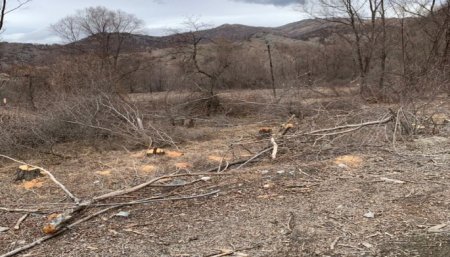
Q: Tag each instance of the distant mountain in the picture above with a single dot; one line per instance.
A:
(310, 28)
(17, 53)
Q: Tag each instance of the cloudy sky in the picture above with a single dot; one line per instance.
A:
(31, 22)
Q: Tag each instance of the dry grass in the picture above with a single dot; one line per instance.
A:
(295, 205)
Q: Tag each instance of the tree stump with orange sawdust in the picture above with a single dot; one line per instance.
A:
(27, 173)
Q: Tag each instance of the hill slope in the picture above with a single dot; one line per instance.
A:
(18, 53)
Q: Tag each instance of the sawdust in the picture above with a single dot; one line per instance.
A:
(147, 168)
(35, 183)
(183, 165)
(174, 154)
(351, 161)
(140, 154)
(216, 158)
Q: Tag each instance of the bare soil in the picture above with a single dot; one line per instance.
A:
(300, 204)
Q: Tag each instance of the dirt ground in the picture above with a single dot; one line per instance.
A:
(358, 201)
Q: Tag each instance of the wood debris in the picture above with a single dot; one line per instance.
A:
(390, 180)
(19, 222)
(27, 173)
(441, 228)
(155, 151)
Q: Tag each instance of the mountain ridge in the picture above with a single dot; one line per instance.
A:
(26, 53)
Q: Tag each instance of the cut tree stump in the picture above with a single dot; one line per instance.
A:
(27, 173)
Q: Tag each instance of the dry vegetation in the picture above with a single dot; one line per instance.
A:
(334, 145)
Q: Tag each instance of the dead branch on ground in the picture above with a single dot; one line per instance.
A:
(19, 222)
(89, 217)
(66, 224)
(19, 210)
(64, 220)
(347, 128)
(48, 173)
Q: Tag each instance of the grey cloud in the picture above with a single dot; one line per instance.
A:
(273, 2)
(31, 24)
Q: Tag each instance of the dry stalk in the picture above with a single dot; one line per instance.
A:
(19, 210)
(255, 156)
(19, 222)
(347, 128)
(275, 148)
(146, 184)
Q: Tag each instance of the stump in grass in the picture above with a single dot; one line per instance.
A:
(27, 173)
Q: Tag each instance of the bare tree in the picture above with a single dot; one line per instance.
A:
(360, 16)
(425, 41)
(106, 31)
(209, 64)
(272, 76)
(2, 17)
(383, 55)
(4, 10)
(109, 29)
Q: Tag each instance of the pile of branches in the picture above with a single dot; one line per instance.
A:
(75, 118)
(109, 115)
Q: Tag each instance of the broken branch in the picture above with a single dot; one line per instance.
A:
(48, 173)
(17, 226)
(275, 148)
(350, 127)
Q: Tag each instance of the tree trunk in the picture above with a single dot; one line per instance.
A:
(272, 76)
(383, 47)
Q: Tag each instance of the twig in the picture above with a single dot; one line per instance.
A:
(224, 253)
(48, 173)
(220, 165)
(146, 184)
(228, 165)
(352, 127)
(394, 136)
(159, 199)
(19, 210)
(18, 6)
(333, 244)
(59, 232)
(17, 226)
(180, 185)
(351, 246)
(255, 156)
(76, 223)
(291, 222)
(275, 148)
